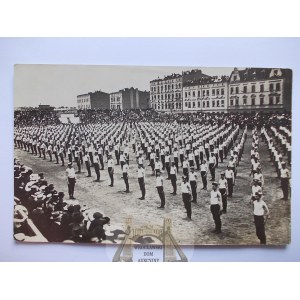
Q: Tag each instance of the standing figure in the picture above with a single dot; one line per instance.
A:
(141, 180)
(285, 178)
(160, 190)
(110, 168)
(186, 197)
(223, 187)
(125, 175)
(193, 182)
(216, 207)
(203, 172)
(71, 180)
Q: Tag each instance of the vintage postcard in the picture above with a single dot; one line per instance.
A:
(144, 157)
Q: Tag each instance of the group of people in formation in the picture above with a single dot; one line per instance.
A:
(197, 148)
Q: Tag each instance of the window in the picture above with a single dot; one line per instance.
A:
(162, 88)
(179, 85)
(189, 93)
(185, 94)
(194, 94)
(199, 94)
(261, 100)
(237, 101)
(172, 86)
(158, 97)
(218, 92)
(234, 77)
(203, 104)
(179, 105)
(222, 91)
(271, 87)
(213, 92)
(218, 103)
(207, 103)
(194, 104)
(245, 89)
(237, 90)
(231, 102)
(278, 86)
(253, 101)
(199, 104)
(245, 100)
(222, 103)
(203, 93)
(271, 100)
(176, 105)
(172, 96)
(253, 88)
(262, 88)
(186, 105)
(155, 106)
(277, 100)
(189, 105)
(213, 104)
(158, 89)
(231, 90)
(207, 93)
(162, 106)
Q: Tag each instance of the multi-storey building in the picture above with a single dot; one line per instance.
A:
(255, 89)
(129, 99)
(96, 100)
(206, 94)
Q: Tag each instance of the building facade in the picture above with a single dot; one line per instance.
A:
(250, 89)
(129, 98)
(207, 94)
(95, 100)
(255, 89)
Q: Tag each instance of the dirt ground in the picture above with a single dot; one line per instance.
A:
(237, 225)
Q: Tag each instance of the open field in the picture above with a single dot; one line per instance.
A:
(237, 225)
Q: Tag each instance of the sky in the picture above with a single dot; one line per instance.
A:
(59, 85)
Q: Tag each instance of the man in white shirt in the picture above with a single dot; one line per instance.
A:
(212, 165)
(223, 186)
(110, 169)
(125, 170)
(229, 175)
(160, 190)
(193, 182)
(186, 197)
(96, 161)
(260, 209)
(71, 180)
(203, 172)
(86, 159)
(157, 165)
(141, 180)
(285, 179)
(216, 207)
(173, 176)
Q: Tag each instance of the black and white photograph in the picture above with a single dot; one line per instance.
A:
(205, 150)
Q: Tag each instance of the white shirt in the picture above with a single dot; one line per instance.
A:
(125, 168)
(141, 173)
(71, 173)
(159, 181)
(222, 183)
(157, 165)
(212, 160)
(229, 174)
(203, 168)
(256, 189)
(110, 163)
(215, 197)
(193, 176)
(173, 170)
(185, 188)
(259, 207)
(284, 173)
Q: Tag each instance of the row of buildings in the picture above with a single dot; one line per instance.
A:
(128, 98)
(250, 89)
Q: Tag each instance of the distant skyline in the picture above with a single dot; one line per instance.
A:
(59, 85)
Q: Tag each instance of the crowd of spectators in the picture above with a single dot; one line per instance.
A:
(57, 219)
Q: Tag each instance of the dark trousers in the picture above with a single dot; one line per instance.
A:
(117, 156)
(230, 186)
(152, 164)
(56, 157)
(122, 164)
(185, 172)
(142, 186)
(125, 177)
(50, 155)
(285, 187)
(186, 198)
(91, 157)
(62, 159)
(97, 170)
(181, 159)
(173, 181)
(212, 171)
(163, 161)
(71, 186)
(191, 162)
(88, 168)
(111, 175)
(260, 228)
(70, 157)
(207, 153)
(215, 210)
(168, 168)
(78, 164)
(44, 153)
(176, 162)
(101, 161)
(204, 179)
(194, 190)
(224, 199)
(221, 155)
(201, 157)
(161, 193)
(197, 162)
